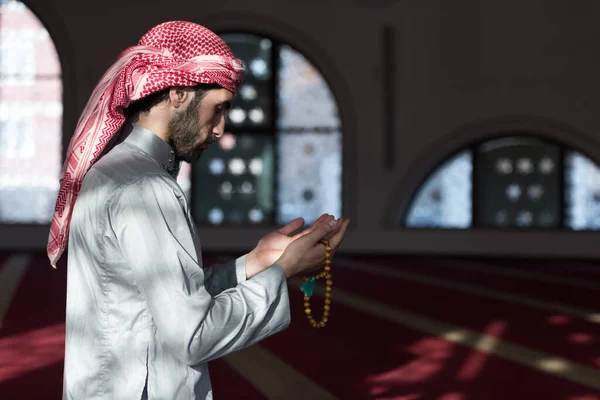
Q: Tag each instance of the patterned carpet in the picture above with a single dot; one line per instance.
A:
(400, 328)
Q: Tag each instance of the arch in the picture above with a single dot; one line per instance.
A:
(260, 25)
(468, 138)
(54, 24)
(326, 134)
(314, 52)
(31, 115)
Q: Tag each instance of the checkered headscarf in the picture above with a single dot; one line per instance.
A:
(174, 53)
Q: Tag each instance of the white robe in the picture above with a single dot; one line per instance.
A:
(142, 312)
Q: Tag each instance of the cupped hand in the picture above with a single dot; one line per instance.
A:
(271, 246)
(305, 253)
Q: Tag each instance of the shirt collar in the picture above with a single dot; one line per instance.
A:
(153, 145)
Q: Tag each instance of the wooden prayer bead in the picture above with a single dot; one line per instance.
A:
(328, 285)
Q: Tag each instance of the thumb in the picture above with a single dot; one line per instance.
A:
(292, 226)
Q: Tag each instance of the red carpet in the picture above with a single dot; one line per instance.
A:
(366, 358)
(358, 356)
(32, 335)
(537, 329)
(583, 297)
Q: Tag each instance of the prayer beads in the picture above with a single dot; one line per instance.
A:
(308, 286)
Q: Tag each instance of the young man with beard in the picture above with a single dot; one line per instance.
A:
(143, 315)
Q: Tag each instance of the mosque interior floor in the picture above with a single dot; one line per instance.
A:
(404, 328)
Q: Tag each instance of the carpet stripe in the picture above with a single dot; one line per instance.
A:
(360, 356)
(589, 315)
(558, 268)
(10, 277)
(485, 268)
(588, 268)
(549, 267)
(537, 360)
(273, 377)
(568, 337)
(574, 296)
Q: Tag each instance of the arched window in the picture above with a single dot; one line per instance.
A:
(282, 154)
(444, 200)
(30, 117)
(517, 182)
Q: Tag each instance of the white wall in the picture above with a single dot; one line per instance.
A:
(464, 70)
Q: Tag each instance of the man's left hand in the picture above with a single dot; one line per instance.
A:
(271, 246)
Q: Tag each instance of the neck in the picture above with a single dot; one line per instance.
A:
(154, 123)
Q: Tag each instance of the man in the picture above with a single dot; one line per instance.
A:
(143, 316)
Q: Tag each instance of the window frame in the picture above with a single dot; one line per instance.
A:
(273, 131)
(33, 236)
(49, 21)
(472, 146)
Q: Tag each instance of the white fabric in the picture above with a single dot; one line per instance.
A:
(140, 307)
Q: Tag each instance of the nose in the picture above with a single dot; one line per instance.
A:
(219, 128)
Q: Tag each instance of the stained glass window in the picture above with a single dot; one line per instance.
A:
(30, 117)
(253, 107)
(444, 200)
(582, 192)
(305, 100)
(236, 184)
(282, 155)
(309, 162)
(514, 186)
(519, 182)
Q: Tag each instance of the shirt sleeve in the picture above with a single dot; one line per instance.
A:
(220, 277)
(155, 240)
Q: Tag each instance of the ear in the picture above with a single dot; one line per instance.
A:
(179, 96)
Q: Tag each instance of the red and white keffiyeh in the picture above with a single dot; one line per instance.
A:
(176, 53)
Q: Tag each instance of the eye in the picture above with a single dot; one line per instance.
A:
(220, 110)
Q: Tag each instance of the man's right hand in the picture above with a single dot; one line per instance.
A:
(306, 253)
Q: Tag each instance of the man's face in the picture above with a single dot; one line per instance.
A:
(201, 123)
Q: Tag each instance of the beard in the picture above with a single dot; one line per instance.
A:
(183, 132)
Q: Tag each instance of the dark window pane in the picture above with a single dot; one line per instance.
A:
(582, 192)
(518, 183)
(309, 175)
(233, 181)
(444, 200)
(253, 105)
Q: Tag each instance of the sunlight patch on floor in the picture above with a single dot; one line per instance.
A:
(573, 371)
(274, 378)
(486, 345)
(30, 351)
(431, 355)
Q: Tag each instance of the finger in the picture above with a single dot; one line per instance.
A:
(292, 226)
(322, 229)
(338, 226)
(321, 219)
(338, 237)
